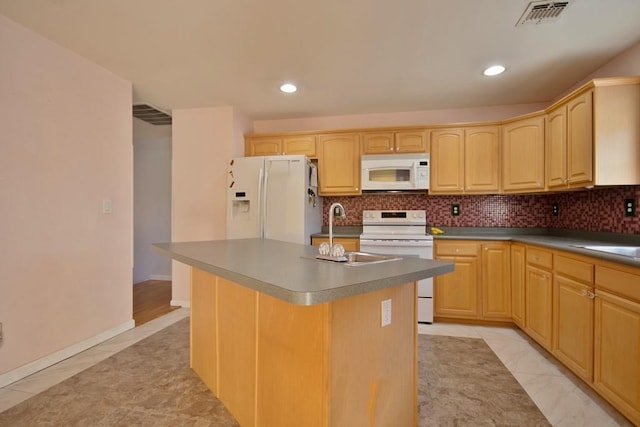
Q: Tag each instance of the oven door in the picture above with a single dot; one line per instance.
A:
(417, 248)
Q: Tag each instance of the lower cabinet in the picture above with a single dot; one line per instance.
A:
(538, 296)
(573, 296)
(617, 340)
(350, 244)
(478, 288)
(584, 311)
(518, 277)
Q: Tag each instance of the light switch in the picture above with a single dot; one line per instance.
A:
(386, 313)
(106, 206)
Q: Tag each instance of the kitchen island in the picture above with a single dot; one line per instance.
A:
(284, 339)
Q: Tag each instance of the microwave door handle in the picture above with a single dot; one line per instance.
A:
(415, 174)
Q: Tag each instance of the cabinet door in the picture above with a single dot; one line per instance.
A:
(523, 155)
(556, 147)
(482, 159)
(339, 164)
(455, 294)
(377, 143)
(580, 140)
(496, 287)
(303, 144)
(411, 142)
(573, 325)
(518, 275)
(538, 310)
(447, 160)
(617, 352)
(263, 146)
(350, 244)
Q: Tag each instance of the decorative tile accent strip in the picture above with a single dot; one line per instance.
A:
(598, 209)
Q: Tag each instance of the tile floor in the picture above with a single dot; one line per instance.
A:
(561, 397)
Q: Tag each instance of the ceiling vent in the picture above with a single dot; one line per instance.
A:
(539, 12)
(151, 114)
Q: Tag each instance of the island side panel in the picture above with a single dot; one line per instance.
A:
(203, 351)
(236, 331)
(374, 368)
(292, 364)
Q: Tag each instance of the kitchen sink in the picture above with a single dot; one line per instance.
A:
(628, 251)
(354, 259)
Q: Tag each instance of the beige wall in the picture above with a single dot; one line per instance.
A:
(412, 118)
(65, 267)
(204, 140)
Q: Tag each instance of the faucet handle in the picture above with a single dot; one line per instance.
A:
(337, 250)
(324, 248)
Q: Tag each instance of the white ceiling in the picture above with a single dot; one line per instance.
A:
(347, 56)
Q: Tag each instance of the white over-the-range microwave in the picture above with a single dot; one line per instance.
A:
(395, 172)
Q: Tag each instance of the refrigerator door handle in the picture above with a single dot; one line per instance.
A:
(265, 232)
(261, 206)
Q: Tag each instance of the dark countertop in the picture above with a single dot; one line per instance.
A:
(565, 240)
(546, 237)
(285, 271)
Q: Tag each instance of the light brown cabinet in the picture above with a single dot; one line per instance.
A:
(617, 338)
(573, 295)
(592, 136)
(496, 287)
(278, 145)
(395, 142)
(479, 287)
(570, 143)
(465, 160)
(523, 155)
(350, 244)
(518, 277)
(339, 164)
(538, 296)
(447, 162)
(456, 295)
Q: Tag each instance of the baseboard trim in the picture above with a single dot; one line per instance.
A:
(60, 355)
(159, 277)
(179, 303)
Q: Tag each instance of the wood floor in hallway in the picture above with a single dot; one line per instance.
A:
(151, 299)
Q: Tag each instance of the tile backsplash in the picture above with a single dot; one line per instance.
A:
(599, 209)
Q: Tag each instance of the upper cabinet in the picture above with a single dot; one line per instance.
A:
(570, 143)
(447, 161)
(588, 138)
(465, 160)
(523, 155)
(395, 142)
(339, 164)
(278, 145)
(592, 136)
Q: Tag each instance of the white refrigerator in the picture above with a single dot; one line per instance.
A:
(274, 197)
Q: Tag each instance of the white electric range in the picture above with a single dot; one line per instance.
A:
(403, 233)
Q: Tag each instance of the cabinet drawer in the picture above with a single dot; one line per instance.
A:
(457, 248)
(579, 270)
(619, 282)
(539, 257)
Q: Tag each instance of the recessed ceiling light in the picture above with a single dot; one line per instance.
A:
(288, 88)
(494, 70)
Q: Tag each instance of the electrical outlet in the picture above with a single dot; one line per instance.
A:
(555, 209)
(455, 210)
(386, 313)
(629, 207)
(107, 208)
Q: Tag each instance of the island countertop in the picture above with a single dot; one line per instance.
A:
(286, 271)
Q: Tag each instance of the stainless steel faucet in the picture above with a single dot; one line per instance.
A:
(341, 214)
